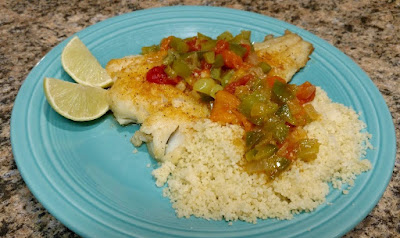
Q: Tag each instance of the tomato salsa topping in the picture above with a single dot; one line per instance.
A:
(243, 92)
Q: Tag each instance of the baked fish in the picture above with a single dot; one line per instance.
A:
(162, 109)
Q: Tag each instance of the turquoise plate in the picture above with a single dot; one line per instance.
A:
(88, 177)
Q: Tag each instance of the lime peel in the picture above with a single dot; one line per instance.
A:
(82, 66)
(74, 101)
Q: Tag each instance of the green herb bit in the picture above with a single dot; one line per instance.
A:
(307, 149)
(272, 166)
(281, 91)
(204, 85)
(208, 45)
(265, 67)
(181, 68)
(169, 58)
(250, 155)
(246, 34)
(227, 36)
(215, 73)
(192, 59)
(209, 57)
(189, 80)
(179, 45)
(219, 61)
(242, 37)
(261, 109)
(281, 131)
(237, 49)
(251, 100)
(170, 72)
(247, 104)
(189, 39)
(253, 137)
(150, 49)
(226, 77)
(275, 165)
(215, 89)
(265, 151)
(203, 37)
(285, 114)
(257, 83)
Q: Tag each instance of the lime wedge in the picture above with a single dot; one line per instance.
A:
(75, 101)
(82, 66)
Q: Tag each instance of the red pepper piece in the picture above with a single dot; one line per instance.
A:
(248, 48)
(231, 59)
(193, 44)
(231, 87)
(158, 75)
(305, 92)
(221, 46)
(271, 80)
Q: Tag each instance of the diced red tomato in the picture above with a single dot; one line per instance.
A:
(271, 80)
(305, 92)
(232, 60)
(205, 65)
(248, 48)
(231, 87)
(158, 75)
(221, 46)
(287, 150)
(193, 44)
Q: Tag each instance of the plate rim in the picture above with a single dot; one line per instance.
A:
(14, 118)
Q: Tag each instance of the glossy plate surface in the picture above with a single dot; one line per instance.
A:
(88, 177)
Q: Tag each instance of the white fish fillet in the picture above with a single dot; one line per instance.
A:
(161, 109)
(286, 54)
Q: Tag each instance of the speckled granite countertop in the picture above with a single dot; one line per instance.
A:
(366, 30)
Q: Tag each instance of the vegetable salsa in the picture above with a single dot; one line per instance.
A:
(228, 73)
